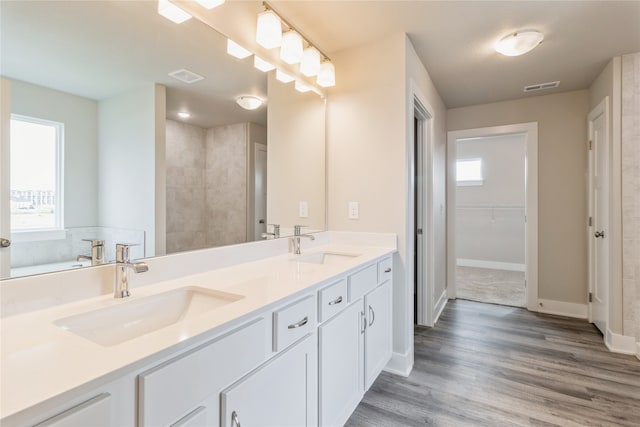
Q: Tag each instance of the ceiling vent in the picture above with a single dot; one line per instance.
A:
(541, 86)
(186, 76)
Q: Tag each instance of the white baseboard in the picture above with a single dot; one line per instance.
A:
(493, 265)
(617, 343)
(440, 305)
(561, 308)
(400, 364)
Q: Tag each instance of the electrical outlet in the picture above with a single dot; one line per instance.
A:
(303, 210)
(354, 210)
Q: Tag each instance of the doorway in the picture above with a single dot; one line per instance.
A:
(492, 215)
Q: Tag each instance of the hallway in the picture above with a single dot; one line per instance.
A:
(486, 364)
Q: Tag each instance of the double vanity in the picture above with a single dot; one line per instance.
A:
(254, 335)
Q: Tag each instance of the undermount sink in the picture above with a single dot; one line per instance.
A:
(325, 257)
(133, 318)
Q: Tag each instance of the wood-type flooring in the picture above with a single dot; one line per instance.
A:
(491, 365)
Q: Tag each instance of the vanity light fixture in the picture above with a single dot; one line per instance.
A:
(301, 87)
(209, 4)
(284, 77)
(519, 43)
(291, 49)
(172, 12)
(262, 65)
(184, 114)
(269, 31)
(327, 75)
(234, 49)
(310, 65)
(249, 102)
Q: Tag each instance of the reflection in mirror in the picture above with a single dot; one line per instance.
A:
(130, 169)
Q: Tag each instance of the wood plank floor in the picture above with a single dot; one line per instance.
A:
(491, 365)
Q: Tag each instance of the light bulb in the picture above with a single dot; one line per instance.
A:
(269, 31)
(327, 75)
(172, 12)
(310, 65)
(291, 49)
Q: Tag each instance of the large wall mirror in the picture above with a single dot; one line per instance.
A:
(102, 148)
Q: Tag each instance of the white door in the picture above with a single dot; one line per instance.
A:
(599, 205)
(260, 205)
(5, 223)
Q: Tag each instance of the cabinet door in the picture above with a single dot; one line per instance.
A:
(378, 332)
(282, 392)
(341, 365)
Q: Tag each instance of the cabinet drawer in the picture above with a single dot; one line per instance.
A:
(170, 391)
(384, 270)
(94, 412)
(362, 282)
(332, 299)
(292, 322)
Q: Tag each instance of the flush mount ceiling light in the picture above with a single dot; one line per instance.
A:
(262, 65)
(209, 4)
(249, 102)
(172, 12)
(184, 115)
(269, 31)
(519, 42)
(234, 49)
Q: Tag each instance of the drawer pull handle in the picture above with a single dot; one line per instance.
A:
(373, 316)
(336, 301)
(234, 419)
(300, 323)
(387, 270)
(364, 322)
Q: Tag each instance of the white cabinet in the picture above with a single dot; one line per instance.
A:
(174, 392)
(341, 356)
(280, 393)
(95, 412)
(378, 331)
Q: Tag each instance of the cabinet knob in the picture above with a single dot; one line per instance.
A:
(300, 323)
(234, 419)
(336, 301)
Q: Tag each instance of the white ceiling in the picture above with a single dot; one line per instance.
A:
(454, 39)
(98, 49)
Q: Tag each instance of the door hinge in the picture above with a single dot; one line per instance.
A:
(590, 221)
(590, 297)
(590, 145)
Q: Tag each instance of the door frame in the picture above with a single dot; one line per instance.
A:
(598, 110)
(531, 204)
(5, 176)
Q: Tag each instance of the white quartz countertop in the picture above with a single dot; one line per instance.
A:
(40, 360)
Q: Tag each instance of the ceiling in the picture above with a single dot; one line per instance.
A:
(100, 49)
(454, 40)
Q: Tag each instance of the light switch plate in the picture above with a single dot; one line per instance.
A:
(303, 210)
(354, 210)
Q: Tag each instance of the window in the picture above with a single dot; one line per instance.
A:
(36, 174)
(469, 172)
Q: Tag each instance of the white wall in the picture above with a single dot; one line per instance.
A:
(369, 122)
(562, 167)
(127, 165)
(490, 217)
(80, 118)
(295, 156)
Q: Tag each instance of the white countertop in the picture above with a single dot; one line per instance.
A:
(40, 360)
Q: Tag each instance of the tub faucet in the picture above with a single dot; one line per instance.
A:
(295, 239)
(97, 252)
(123, 264)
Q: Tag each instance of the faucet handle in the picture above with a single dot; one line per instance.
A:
(296, 229)
(94, 242)
(122, 251)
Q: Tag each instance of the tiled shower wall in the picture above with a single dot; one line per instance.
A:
(206, 186)
(631, 194)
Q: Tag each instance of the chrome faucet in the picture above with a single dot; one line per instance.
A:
(275, 234)
(97, 252)
(123, 264)
(295, 239)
